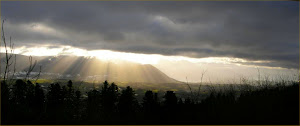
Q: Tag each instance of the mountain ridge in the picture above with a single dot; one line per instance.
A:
(91, 68)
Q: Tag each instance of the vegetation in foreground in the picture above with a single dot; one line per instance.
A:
(27, 103)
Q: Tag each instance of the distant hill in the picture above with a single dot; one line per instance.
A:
(87, 68)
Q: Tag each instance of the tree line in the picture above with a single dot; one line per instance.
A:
(25, 102)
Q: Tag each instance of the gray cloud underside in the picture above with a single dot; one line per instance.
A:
(249, 30)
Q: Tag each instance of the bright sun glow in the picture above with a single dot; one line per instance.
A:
(178, 67)
(108, 55)
(113, 56)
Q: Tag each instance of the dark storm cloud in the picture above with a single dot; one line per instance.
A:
(250, 30)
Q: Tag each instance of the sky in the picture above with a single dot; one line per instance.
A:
(228, 39)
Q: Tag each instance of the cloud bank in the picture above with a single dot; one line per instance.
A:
(249, 30)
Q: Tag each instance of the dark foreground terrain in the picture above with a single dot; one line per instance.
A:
(27, 103)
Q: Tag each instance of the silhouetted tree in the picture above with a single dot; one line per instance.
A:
(5, 108)
(109, 96)
(148, 101)
(69, 103)
(22, 101)
(19, 91)
(55, 100)
(78, 106)
(170, 105)
(93, 105)
(39, 100)
(127, 103)
(30, 93)
(170, 98)
(150, 105)
(70, 84)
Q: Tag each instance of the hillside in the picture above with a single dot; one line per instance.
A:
(92, 69)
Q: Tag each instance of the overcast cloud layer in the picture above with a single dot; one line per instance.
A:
(249, 30)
